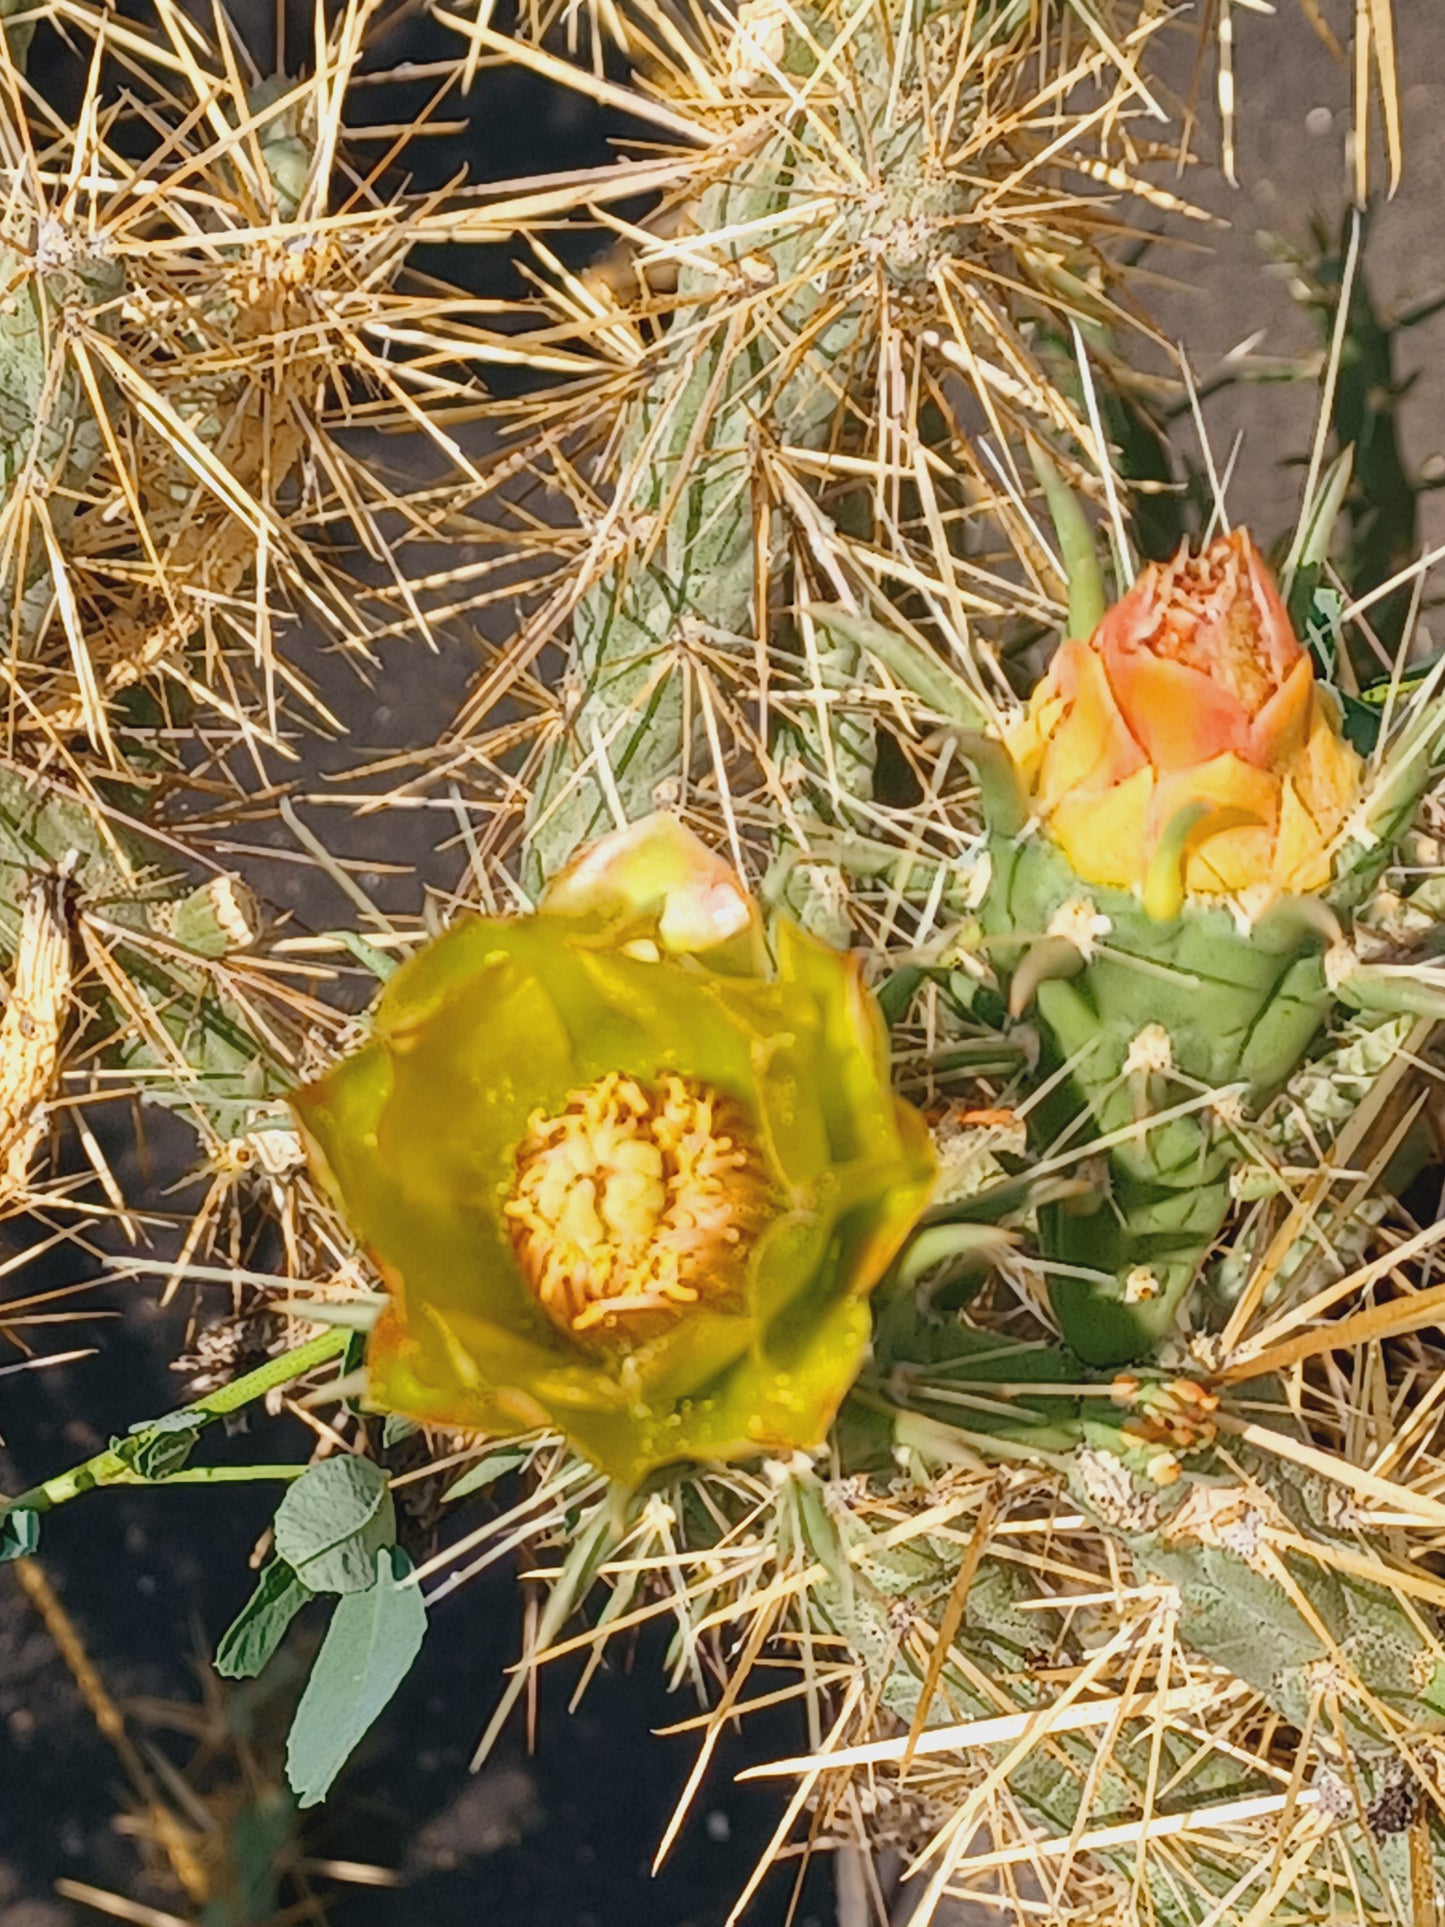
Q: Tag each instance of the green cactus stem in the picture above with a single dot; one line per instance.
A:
(719, 386)
(762, 352)
(164, 1012)
(50, 441)
(1163, 1037)
(1262, 1555)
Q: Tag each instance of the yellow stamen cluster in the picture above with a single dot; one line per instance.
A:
(636, 1201)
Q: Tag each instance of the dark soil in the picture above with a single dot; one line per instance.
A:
(563, 1838)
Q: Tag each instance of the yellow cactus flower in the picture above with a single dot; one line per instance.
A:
(622, 1175)
(1187, 744)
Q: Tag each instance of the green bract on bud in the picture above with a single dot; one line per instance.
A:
(624, 1176)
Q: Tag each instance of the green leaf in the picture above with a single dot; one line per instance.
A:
(258, 1629)
(1365, 713)
(161, 1446)
(333, 1522)
(1319, 626)
(396, 1429)
(373, 1638)
(895, 993)
(1361, 725)
(19, 1533)
(353, 1368)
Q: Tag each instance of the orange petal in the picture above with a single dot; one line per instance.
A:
(1180, 715)
(1280, 728)
(1276, 632)
(1091, 748)
(1133, 619)
(1103, 833)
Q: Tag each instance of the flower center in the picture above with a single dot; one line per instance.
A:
(636, 1201)
(1210, 623)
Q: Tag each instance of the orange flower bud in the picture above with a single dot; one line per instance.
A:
(1187, 744)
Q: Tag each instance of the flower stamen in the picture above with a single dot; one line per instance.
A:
(1208, 619)
(636, 1201)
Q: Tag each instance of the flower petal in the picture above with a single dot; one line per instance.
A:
(656, 869)
(1129, 623)
(1225, 853)
(1135, 745)
(1181, 716)
(1278, 732)
(849, 1063)
(1027, 735)
(1276, 636)
(1329, 771)
(1302, 848)
(1104, 833)
(1092, 747)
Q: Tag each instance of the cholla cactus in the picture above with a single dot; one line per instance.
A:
(1160, 1637)
(199, 303)
(1180, 827)
(864, 212)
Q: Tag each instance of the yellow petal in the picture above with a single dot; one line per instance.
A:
(656, 868)
(1026, 738)
(1225, 853)
(1103, 834)
(1229, 861)
(1301, 853)
(1328, 771)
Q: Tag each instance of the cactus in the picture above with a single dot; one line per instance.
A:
(1225, 1538)
(765, 380)
(180, 355)
(159, 952)
(1143, 1002)
(837, 423)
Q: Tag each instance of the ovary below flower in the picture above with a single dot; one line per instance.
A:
(1187, 744)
